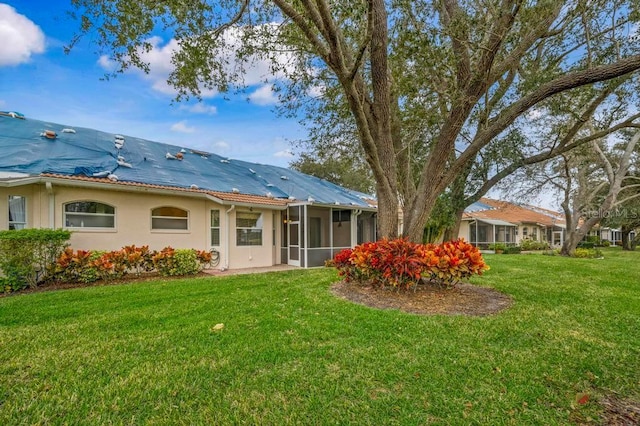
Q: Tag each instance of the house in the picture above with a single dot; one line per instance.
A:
(113, 190)
(489, 221)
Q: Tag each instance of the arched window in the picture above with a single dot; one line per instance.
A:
(89, 214)
(169, 218)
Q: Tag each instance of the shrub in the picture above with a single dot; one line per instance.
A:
(204, 258)
(497, 246)
(27, 256)
(587, 253)
(137, 259)
(84, 266)
(586, 244)
(77, 266)
(592, 239)
(513, 250)
(452, 261)
(528, 245)
(606, 243)
(400, 263)
(171, 262)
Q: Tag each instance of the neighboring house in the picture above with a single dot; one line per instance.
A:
(113, 191)
(613, 235)
(491, 221)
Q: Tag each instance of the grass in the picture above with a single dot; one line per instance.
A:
(291, 353)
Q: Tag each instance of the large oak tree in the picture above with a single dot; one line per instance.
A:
(429, 81)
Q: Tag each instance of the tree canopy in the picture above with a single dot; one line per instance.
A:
(424, 87)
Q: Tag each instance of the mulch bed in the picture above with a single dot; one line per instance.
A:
(620, 412)
(130, 278)
(427, 299)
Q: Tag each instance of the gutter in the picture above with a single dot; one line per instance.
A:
(52, 205)
(354, 227)
(134, 187)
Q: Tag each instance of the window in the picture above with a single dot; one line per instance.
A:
(17, 212)
(525, 231)
(248, 229)
(89, 214)
(215, 227)
(169, 218)
(340, 216)
(534, 233)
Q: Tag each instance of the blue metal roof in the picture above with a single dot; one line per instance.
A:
(477, 206)
(29, 146)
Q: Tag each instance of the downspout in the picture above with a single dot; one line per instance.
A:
(354, 227)
(52, 205)
(227, 242)
(306, 233)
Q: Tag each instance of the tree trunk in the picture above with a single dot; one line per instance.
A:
(570, 244)
(453, 232)
(387, 222)
(626, 243)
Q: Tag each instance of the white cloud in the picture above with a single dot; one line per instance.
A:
(316, 91)
(255, 71)
(106, 63)
(182, 127)
(264, 96)
(221, 146)
(20, 37)
(284, 154)
(201, 108)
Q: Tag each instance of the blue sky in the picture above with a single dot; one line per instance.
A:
(39, 80)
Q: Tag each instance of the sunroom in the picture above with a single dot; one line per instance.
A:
(313, 234)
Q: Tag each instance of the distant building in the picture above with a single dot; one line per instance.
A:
(492, 221)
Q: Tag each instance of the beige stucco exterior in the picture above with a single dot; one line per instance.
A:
(463, 232)
(45, 209)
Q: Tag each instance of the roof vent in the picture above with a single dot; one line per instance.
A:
(67, 130)
(101, 174)
(112, 177)
(180, 155)
(225, 161)
(12, 114)
(49, 134)
(235, 190)
(252, 171)
(311, 199)
(123, 163)
(183, 150)
(193, 186)
(269, 185)
(170, 156)
(118, 141)
(283, 177)
(337, 203)
(269, 194)
(291, 197)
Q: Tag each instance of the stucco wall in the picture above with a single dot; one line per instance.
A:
(464, 231)
(133, 222)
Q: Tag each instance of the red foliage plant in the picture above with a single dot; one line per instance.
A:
(86, 266)
(401, 263)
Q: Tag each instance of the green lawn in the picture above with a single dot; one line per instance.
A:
(291, 353)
